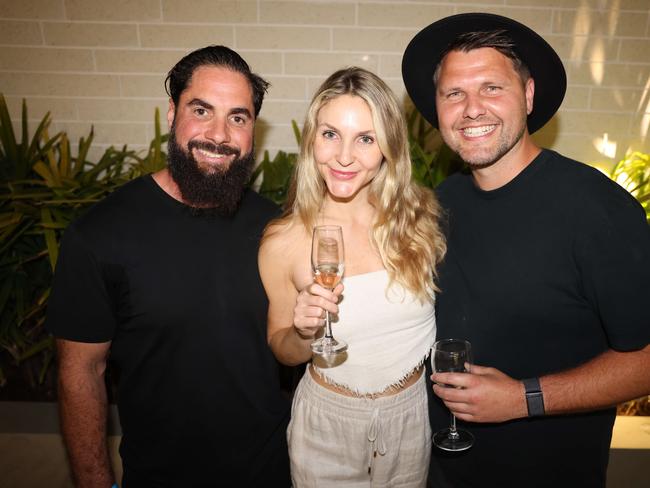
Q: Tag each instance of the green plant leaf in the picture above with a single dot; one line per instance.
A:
(80, 160)
(25, 126)
(296, 131)
(7, 136)
(8, 219)
(17, 233)
(47, 361)
(633, 173)
(64, 158)
(5, 291)
(33, 150)
(276, 175)
(40, 346)
(50, 236)
(44, 172)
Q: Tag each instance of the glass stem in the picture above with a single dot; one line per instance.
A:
(452, 428)
(328, 326)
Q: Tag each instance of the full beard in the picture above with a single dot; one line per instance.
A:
(217, 192)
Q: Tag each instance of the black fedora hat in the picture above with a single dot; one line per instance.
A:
(423, 54)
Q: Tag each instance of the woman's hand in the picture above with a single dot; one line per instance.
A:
(311, 305)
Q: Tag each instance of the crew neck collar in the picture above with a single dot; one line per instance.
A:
(516, 182)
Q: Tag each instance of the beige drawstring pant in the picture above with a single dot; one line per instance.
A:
(353, 442)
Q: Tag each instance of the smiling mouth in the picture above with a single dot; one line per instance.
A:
(343, 175)
(478, 131)
(208, 152)
(211, 155)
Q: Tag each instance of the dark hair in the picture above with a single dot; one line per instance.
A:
(497, 39)
(181, 74)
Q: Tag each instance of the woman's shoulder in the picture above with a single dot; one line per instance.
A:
(284, 253)
(283, 235)
(282, 229)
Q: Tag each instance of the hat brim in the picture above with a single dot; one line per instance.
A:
(423, 54)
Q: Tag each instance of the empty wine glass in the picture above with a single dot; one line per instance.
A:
(327, 262)
(452, 356)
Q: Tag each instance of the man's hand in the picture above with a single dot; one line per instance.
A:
(484, 395)
(488, 395)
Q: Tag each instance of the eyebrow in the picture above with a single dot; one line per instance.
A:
(362, 133)
(201, 103)
(208, 106)
(444, 89)
(241, 110)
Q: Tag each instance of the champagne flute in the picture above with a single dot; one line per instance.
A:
(327, 265)
(452, 356)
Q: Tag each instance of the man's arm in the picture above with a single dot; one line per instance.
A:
(488, 395)
(83, 410)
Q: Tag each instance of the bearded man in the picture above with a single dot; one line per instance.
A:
(162, 275)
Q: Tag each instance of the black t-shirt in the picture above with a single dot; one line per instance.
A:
(180, 297)
(541, 275)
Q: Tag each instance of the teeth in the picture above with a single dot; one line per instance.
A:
(478, 131)
(210, 154)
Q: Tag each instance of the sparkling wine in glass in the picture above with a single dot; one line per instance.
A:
(452, 356)
(327, 262)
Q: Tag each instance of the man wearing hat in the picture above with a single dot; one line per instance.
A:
(547, 270)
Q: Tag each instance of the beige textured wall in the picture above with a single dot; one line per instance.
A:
(103, 62)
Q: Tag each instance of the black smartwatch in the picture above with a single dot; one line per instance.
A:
(534, 397)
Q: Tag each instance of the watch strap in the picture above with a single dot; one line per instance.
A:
(534, 397)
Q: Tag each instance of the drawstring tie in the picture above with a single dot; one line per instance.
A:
(375, 440)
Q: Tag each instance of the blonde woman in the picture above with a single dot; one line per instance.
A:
(362, 416)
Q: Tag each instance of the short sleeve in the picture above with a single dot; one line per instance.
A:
(79, 307)
(613, 254)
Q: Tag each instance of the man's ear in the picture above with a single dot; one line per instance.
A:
(171, 112)
(530, 94)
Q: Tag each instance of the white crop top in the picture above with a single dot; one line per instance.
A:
(389, 333)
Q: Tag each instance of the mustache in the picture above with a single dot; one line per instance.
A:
(215, 148)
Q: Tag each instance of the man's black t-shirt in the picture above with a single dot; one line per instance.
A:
(180, 297)
(541, 275)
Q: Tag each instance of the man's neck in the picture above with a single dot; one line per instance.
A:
(164, 180)
(508, 167)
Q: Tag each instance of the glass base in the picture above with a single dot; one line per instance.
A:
(459, 441)
(326, 346)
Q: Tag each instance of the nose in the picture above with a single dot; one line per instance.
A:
(345, 155)
(217, 131)
(474, 107)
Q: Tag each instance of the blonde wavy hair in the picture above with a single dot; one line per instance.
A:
(406, 231)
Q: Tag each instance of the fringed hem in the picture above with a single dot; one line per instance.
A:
(397, 384)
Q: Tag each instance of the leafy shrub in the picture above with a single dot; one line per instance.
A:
(633, 173)
(43, 187)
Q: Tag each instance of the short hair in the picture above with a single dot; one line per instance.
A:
(496, 39)
(180, 76)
